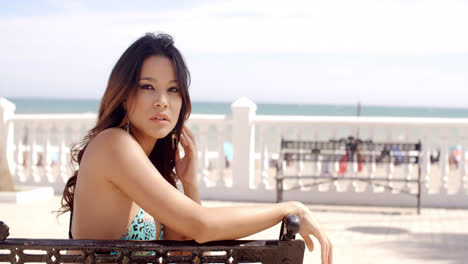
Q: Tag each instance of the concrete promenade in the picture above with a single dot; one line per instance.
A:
(359, 234)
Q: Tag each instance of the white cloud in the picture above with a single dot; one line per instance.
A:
(371, 27)
(375, 27)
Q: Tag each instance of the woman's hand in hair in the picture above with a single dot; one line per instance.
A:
(186, 167)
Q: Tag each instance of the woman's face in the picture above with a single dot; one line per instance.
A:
(155, 108)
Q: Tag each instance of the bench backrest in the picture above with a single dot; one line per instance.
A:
(96, 251)
(284, 250)
(354, 150)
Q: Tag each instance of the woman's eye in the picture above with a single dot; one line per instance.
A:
(174, 89)
(146, 86)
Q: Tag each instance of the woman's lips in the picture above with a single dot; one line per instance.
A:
(160, 121)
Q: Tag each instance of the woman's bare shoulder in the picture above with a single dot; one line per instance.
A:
(110, 143)
(111, 137)
(112, 133)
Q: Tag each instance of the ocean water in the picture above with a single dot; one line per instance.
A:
(41, 105)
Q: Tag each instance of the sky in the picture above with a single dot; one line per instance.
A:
(379, 52)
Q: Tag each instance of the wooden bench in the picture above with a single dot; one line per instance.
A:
(286, 250)
(348, 152)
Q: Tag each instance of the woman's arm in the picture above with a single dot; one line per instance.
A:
(192, 192)
(124, 164)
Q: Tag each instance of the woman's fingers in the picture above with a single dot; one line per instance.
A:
(185, 140)
(177, 154)
(189, 133)
(325, 246)
(308, 241)
(326, 251)
(190, 136)
(182, 140)
(189, 141)
(311, 227)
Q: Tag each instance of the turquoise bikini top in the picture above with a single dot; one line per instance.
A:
(142, 228)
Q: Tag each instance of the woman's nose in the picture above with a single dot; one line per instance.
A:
(160, 100)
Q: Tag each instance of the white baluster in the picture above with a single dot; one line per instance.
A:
(46, 160)
(262, 168)
(354, 171)
(204, 162)
(358, 186)
(20, 133)
(334, 166)
(355, 164)
(33, 155)
(266, 166)
(221, 162)
(27, 152)
(454, 181)
(325, 167)
(408, 166)
(300, 164)
(444, 162)
(390, 167)
(371, 166)
(62, 156)
(426, 164)
(462, 164)
(317, 165)
(77, 136)
(464, 156)
(286, 184)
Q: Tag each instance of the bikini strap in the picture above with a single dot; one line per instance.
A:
(69, 227)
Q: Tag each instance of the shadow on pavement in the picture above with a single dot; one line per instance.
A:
(450, 247)
(377, 230)
(364, 210)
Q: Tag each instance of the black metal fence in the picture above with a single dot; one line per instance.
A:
(344, 151)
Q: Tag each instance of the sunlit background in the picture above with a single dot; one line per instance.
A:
(393, 53)
(299, 59)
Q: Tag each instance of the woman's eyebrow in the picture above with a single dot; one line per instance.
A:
(148, 79)
(153, 79)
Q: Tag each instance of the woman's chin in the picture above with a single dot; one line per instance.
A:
(159, 134)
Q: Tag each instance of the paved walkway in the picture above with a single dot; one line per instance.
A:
(359, 234)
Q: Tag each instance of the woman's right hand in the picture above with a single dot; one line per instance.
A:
(310, 226)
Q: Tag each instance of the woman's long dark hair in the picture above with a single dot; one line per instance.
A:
(122, 83)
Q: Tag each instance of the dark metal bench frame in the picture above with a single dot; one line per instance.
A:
(355, 150)
(286, 250)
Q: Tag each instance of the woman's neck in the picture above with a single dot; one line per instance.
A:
(147, 143)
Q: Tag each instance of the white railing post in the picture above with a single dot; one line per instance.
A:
(243, 137)
(19, 152)
(221, 162)
(7, 110)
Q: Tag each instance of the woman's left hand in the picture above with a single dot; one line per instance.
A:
(186, 167)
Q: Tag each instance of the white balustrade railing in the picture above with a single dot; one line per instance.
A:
(42, 145)
(445, 181)
(40, 151)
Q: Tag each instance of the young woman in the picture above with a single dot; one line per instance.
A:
(126, 181)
